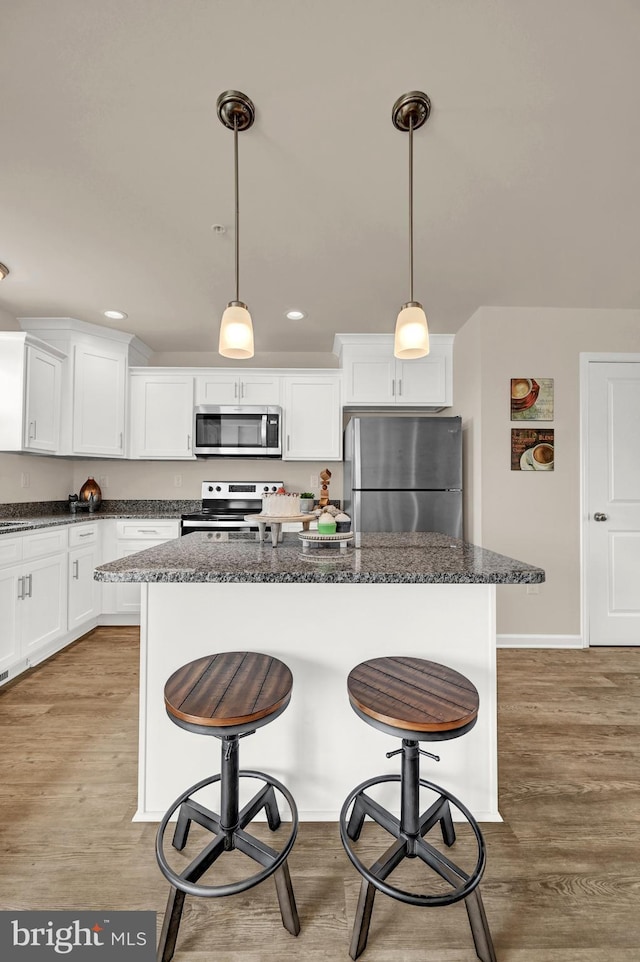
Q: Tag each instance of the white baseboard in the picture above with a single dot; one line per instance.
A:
(114, 619)
(539, 641)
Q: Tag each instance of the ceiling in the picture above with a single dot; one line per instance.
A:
(114, 166)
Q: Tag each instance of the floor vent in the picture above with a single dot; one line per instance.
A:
(4, 675)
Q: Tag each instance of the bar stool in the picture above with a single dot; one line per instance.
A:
(415, 700)
(228, 695)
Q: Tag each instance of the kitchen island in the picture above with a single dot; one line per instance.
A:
(321, 612)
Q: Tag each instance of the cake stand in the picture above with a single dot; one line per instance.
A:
(275, 522)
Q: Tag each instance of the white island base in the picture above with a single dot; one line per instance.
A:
(318, 747)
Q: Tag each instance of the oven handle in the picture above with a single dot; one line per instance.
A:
(263, 431)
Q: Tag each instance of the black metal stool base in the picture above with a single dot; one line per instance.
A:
(409, 831)
(229, 833)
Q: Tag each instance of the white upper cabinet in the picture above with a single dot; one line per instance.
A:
(30, 386)
(312, 416)
(94, 382)
(239, 387)
(161, 415)
(99, 392)
(372, 375)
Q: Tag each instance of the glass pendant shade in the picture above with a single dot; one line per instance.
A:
(412, 333)
(236, 332)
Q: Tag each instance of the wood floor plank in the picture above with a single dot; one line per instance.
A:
(563, 874)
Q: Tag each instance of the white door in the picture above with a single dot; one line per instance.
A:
(612, 582)
(44, 616)
(161, 416)
(83, 590)
(42, 420)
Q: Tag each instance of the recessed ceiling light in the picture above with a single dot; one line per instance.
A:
(3, 271)
(218, 229)
(116, 315)
(295, 315)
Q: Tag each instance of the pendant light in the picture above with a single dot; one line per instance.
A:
(236, 112)
(412, 334)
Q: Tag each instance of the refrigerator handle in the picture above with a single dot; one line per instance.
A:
(357, 456)
(356, 516)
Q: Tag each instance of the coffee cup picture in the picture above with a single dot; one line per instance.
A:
(542, 456)
(520, 388)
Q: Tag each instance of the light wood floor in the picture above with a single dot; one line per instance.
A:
(563, 876)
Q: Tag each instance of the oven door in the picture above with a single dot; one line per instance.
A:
(188, 525)
(236, 432)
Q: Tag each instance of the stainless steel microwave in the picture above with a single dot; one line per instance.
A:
(222, 431)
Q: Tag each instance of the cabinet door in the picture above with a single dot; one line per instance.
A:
(161, 416)
(313, 427)
(128, 592)
(370, 377)
(44, 615)
(11, 587)
(84, 592)
(42, 413)
(260, 389)
(223, 388)
(422, 381)
(98, 401)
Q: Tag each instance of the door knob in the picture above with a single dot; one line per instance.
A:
(599, 516)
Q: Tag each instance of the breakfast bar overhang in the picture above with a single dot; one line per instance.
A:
(321, 612)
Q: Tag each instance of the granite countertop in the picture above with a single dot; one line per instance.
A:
(412, 558)
(16, 518)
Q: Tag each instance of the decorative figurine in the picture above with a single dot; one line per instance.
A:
(325, 477)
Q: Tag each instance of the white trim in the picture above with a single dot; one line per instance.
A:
(587, 358)
(539, 641)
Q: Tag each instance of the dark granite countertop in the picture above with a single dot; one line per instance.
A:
(412, 558)
(18, 517)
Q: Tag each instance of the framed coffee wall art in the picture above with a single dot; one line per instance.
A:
(532, 449)
(532, 399)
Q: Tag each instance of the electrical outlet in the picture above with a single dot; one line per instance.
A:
(103, 481)
(25, 480)
(314, 482)
(177, 480)
(533, 589)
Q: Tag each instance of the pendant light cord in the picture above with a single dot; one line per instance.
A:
(410, 209)
(235, 163)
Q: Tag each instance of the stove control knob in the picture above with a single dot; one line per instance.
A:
(210, 488)
(218, 488)
(266, 488)
(274, 489)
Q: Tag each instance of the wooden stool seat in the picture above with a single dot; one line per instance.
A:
(412, 694)
(230, 689)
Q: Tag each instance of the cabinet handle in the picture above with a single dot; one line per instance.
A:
(121, 445)
(188, 442)
(393, 387)
(32, 424)
(400, 387)
(76, 567)
(86, 534)
(30, 580)
(147, 531)
(21, 588)
(288, 441)
(241, 389)
(235, 389)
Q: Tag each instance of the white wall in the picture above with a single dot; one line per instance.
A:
(529, 515)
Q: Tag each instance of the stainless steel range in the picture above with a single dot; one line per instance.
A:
(225, 503)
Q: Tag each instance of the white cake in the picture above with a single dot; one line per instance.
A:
(281, 505)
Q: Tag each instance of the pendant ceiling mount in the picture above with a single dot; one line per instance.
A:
(411, 110)
(236, 110)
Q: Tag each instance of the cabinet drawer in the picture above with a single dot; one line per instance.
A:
(147, 529)
(10, 550)
(44, 542)
(80, 534)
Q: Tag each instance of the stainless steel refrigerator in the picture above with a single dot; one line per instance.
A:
(403, 474)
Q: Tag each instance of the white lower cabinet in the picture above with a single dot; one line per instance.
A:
(84, 592)
(121, 600)
(33, 597)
